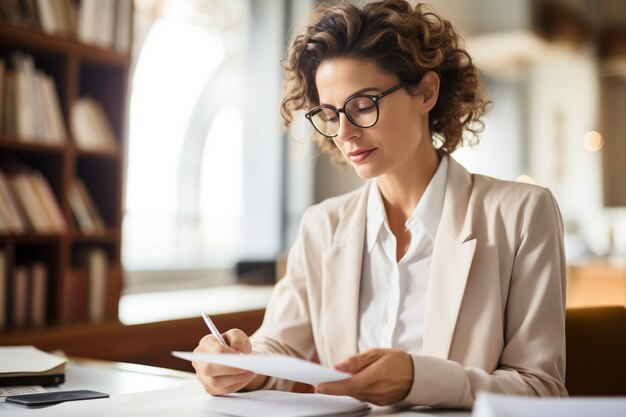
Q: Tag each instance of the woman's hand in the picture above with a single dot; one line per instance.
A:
(380, 376)
(220, 379)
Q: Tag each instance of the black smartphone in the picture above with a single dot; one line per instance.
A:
(50, 398)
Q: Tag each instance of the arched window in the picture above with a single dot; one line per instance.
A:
(185, 157)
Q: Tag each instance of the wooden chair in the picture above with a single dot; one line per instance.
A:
(596, 351)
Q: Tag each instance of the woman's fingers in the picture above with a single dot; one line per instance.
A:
(225, 384)
(238, 340)
(379, 376)
(219, 379)
(360, 361)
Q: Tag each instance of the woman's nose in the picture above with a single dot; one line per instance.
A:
(347, 130)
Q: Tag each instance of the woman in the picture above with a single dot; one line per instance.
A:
(429, 283)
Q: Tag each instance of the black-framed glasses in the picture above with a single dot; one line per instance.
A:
(361, 110)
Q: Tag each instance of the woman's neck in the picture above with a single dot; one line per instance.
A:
(403, 188)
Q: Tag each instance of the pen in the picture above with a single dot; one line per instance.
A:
(213, 329)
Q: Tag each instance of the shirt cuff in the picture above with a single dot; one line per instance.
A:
(436, 383)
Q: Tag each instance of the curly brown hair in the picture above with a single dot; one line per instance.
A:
(403, 40)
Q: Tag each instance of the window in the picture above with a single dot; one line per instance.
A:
(204, 156)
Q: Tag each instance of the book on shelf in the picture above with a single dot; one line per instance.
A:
(7, 280)
(85, 211)
(86, 284)
(48, 19)
(48, 201)
(20, 12)
(38, 291)
(105, 23)
(23, 292)
(104, 36)
(33, 197)
(3, 289)
(30, 14)
(122, 31)
(30, 204)
(4, 222)
(36, 205)
(54, 126)
(79, 294)
(96, 263)
(31, 109)
(65, 15)
(2, 89)
(90, 126)
(19, 297)
(9, 110)
(28, 127)
(27, 286)
(54, 17)
(14, 220)
(11, 12)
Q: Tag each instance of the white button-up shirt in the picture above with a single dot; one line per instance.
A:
(392, 301)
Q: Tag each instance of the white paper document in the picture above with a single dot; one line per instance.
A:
(23, 359)
(279, 403)
(187, 399)
(190, 400)
(284, 367)
(499, 405)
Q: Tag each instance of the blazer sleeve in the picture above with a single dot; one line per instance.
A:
(533, 357)
(286, 328)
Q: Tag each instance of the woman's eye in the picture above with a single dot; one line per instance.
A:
(366, 109)
(330, 119)
(361, 105)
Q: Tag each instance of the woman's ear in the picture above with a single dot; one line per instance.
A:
(429, 89)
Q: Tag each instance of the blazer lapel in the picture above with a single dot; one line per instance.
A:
(341, 282)
(453, 252)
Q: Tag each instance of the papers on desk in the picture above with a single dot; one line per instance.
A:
(280, 403)
(499, 405)
(27, 365)
(190, 400)
(284, 367)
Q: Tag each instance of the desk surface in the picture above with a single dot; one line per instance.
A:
(114, 378)
(117, 379)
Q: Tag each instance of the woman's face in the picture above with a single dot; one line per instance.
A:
(401, 134)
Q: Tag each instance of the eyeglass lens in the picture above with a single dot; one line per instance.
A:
(362, 111)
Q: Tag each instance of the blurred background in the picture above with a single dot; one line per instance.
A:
(198, 193)
(213, 182)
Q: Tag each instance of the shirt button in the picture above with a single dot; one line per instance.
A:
(389, 318)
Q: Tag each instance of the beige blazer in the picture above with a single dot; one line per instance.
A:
(495, 308)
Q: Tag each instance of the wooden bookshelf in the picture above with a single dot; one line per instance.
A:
(148, 343)
(78, 70)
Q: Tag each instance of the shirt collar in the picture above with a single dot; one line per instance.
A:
(376, 215)
(429, 208)
(427, 211)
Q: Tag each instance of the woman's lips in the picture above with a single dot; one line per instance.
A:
(360, 156)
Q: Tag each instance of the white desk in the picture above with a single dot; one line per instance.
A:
(120, 378)
(114, 378)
